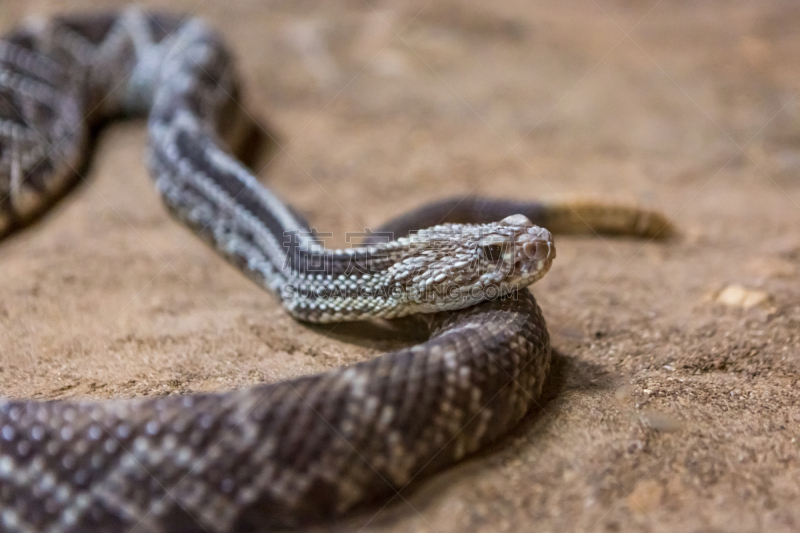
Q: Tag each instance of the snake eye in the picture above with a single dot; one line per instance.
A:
(493, 251)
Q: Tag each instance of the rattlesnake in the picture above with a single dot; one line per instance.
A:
(277, 454)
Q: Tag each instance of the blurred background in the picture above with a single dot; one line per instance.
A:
(674, 405)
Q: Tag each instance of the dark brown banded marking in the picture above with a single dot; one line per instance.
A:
(94, 28)
(12, 108)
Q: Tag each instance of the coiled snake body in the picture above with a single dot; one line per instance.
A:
(276, 454)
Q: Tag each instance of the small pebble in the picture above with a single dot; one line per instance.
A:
(646, 496)
(623, 394)
(659, 421)
(738, 296)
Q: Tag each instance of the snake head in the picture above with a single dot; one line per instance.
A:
(452, 266)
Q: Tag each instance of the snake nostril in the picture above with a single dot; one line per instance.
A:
(529, 248)
(537, 250)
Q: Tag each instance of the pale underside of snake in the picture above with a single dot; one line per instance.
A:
(276, 454)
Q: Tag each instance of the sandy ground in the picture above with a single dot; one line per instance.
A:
(674, 403)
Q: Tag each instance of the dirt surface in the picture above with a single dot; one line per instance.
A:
(674, 404)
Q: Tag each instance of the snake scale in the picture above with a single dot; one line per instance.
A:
(273, 455)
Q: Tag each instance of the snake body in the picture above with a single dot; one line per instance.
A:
(279, 454)
(276, 454)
